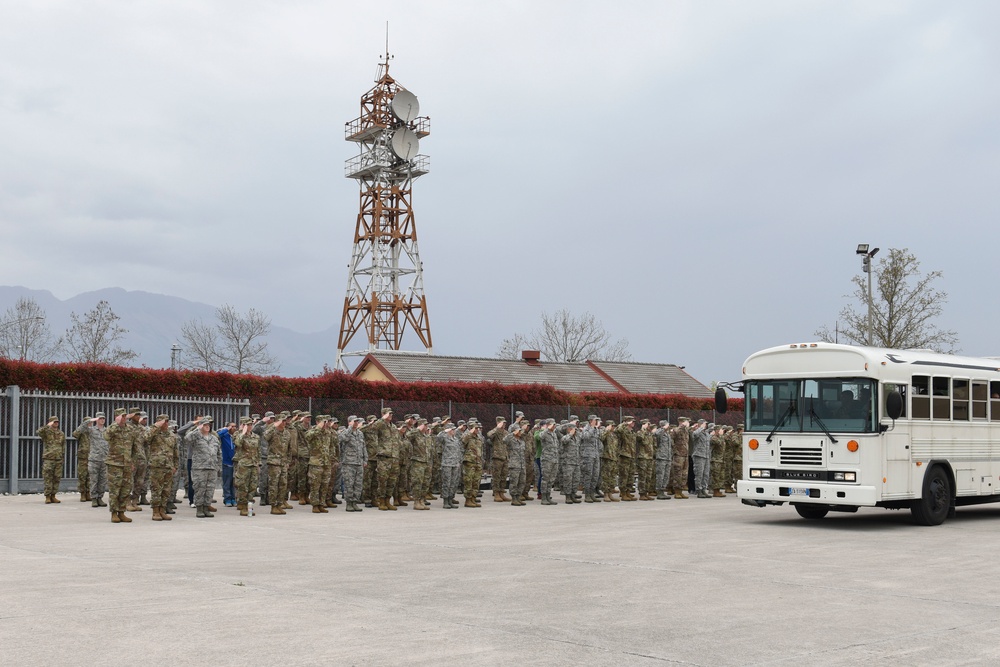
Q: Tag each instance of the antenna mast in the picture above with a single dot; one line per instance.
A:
(385, 284)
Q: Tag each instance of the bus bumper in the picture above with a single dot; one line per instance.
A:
(778, 492)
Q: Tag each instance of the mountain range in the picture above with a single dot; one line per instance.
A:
(154, 326)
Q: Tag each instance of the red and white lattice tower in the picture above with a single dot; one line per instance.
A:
(385, 284)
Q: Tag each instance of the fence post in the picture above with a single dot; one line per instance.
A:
(449, 409)
(15, 436)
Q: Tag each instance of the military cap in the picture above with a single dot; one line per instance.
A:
(437, 420)
(144, 414)
(591, 418)
(172, 424)
(610, 422)
(501, 420)
(516, 427)
(421, 421)
(352, 418)
(332, 419)
(550, 420)
(268, 414)
(371, 417)
(574, 418)
(518, 414)
(386, 411)
(702, 421)
(449, 427)
(206, 420)
(100, 415)
(664, 422)
(628, 418)
(120, 411)
(445, 418)
(305, 415)
(133, 411)
(284, 414)
(53, 418)
(414, 416)
(162, 418)
(461, 422)
(255, 417)
(643, 421)
(570, 425)
(712, 427)
(739, 427)
(245, 420)
(296, 413)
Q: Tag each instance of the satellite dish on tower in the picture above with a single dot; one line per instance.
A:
(405, 143)
(405, 106)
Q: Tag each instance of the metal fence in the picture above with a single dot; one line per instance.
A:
(25, 412)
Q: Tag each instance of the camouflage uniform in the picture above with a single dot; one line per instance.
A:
(451, 462)
(402, 492)
(206, 462)
(97, 467)
(590, 460)
(515, 446)
(277, 471)
(163, 462)
(645, 444)
(664, 458)
(53, 452)
(681, 436)
(334, 482)
(316, 444)
(246, 476)
(119, 463)
(258, 430)
(499, 465)
(626, 460)
(530, 475)
(140, 464)
(421, 455)
(609, 462)
(353, 458)
(472, 464)
(290, 462)
(718, 442)
(300, 484)
(734, 450)
(569, 461)
(371, 472)
(701, 451)
(548, 447)
(82, 435)
(387, 453)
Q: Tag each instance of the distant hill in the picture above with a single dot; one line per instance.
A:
(154, 325)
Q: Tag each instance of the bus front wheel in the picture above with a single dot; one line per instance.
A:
(810, 512)
(935, 502)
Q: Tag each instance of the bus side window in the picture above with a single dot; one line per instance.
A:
(994, 401)
(979, 400)
(941, 408)
(960, 400)
(921, 397)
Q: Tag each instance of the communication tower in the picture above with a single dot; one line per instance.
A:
(385, 282)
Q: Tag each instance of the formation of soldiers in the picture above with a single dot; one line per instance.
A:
(377, 462)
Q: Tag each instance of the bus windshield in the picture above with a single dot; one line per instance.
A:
(841, 405)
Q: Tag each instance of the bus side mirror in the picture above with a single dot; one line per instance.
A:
(893, 405)
(721, 401)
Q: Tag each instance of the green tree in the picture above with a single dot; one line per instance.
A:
(905, 304)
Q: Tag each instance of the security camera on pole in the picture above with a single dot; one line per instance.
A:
(866, 266)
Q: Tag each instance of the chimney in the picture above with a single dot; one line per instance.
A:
(531, 357)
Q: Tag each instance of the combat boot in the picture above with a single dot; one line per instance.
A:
(83, 497)
(170, 509)
(163, 514)
(211, 508)
(370, 503)
(156, 514)
(243, 509)
(94, 503)
(527, 496)
(718, 494)
(430, 496)
(588, 498)
(208, 513)
(333, 502)
(317, 510)
(143, 500)
(295, 496)
(132, 507)
(702, 494)
(389, 505)
(115, 518)
(406, 497)
(504, 497)
(661, 496)
(303, 499)
(124, 519)
(55, 500)
(397, 501)
(497, 498)
(380, 502)
(469, 502)
(680, 495)
(100, 502)
(608, 498)
(276, 510)
(48, 499)
(730, 490)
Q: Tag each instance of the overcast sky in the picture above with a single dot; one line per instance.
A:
(695, 174)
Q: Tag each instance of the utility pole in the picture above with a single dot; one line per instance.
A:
(866, 266)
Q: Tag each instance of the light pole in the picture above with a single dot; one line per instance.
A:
(866, 266)
(175, 351)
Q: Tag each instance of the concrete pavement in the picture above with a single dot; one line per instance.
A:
(688, 582)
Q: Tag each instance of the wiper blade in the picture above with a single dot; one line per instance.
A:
(812, 413)
(781, 422)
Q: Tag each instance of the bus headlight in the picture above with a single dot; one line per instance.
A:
(757, 472)
(845, 476)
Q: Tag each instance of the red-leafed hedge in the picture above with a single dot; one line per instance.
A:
(116, 379)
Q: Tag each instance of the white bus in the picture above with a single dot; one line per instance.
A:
(835, 427)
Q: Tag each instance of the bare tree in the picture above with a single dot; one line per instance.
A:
(25, 335)
(94, 337)
(904, 305)
(565, 337)
(234, 344)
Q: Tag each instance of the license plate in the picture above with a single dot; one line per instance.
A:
(798, 492)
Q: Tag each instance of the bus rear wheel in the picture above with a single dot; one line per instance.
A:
(935, 502)
(810, 512)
